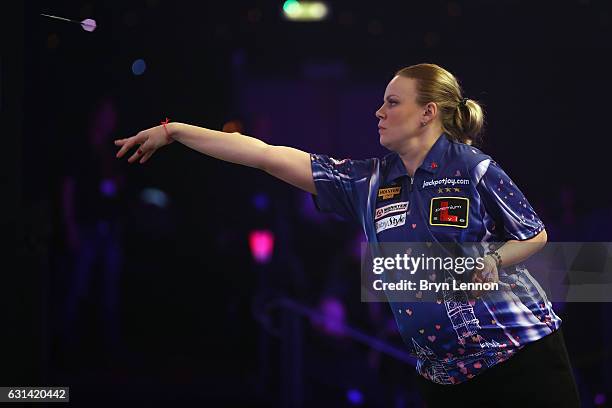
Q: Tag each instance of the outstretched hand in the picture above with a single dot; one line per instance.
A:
(149, 141)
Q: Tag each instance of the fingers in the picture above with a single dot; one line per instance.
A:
(137, 154)
(143, 153)
(484, 276)
(146, 156)
(120, 142)
(491, 277)
(127, 144)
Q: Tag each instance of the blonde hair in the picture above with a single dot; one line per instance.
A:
(462, 119)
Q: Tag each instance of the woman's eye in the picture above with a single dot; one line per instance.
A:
(392, 102)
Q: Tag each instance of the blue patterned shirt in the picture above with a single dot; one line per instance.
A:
(458, 194)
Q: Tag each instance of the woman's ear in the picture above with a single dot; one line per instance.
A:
(430, 112)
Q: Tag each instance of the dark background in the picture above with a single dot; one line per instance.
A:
(169, 239)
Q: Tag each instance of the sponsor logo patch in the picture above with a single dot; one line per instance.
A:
(389, 192)
(445, 182)
(390, 209)
(390, 222)
(449, 211)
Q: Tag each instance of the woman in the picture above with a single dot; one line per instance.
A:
(496, 350)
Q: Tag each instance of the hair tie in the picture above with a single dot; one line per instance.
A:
(463, 102)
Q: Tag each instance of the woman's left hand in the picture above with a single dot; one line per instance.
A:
(488, 273)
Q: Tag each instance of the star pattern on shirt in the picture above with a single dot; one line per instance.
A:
(448, 190)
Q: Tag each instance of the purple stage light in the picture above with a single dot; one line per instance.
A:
(334, 316)
(261, 201)
(354, 396)
(108, 187)
(261, 243)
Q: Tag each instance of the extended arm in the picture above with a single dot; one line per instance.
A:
(286, 163)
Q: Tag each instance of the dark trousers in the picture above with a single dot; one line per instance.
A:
(539, 375)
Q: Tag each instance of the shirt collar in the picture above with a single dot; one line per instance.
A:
(430, 164)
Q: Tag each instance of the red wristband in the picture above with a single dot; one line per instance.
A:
(164, 123)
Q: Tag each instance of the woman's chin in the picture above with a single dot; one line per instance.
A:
(385, 142)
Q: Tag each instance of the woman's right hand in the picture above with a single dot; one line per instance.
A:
(149, 141)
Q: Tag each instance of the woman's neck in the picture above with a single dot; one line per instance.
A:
(414, 149)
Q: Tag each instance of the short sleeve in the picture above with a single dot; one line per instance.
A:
(506, 203)
(342, 185)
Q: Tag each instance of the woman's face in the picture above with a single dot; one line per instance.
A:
(400, 116)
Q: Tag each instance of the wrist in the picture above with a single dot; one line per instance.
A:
(172, 131)
(495, 257)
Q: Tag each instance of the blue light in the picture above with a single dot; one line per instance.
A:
(355, 397)
(108, 187)
(155, 197)
(261, 201)
(139, 67)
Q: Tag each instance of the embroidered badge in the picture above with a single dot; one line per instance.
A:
(449, 211)
(389, 192)
(390, 222)
(391, 209)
